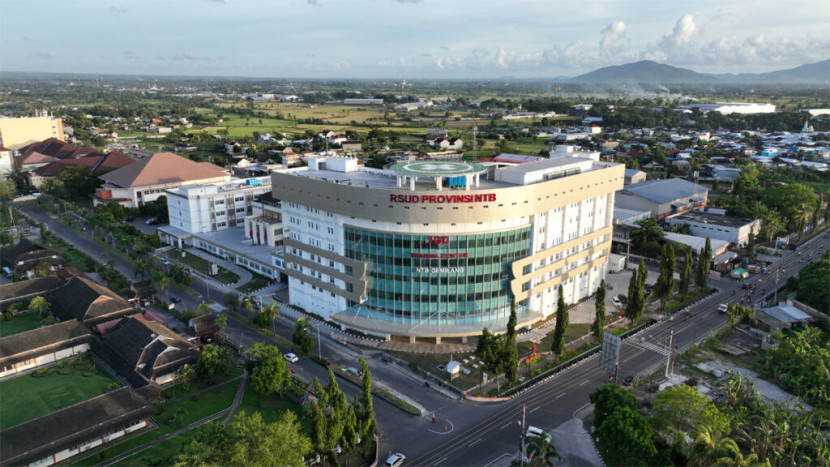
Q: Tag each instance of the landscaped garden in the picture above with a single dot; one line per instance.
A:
(19, 323)
(51, 388)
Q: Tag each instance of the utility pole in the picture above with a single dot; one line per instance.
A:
(669, 355)
(524, 448)
(475, 133)
(777, 272)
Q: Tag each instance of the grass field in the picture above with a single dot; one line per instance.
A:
(202, 265)
(20, 323)
(27, 397)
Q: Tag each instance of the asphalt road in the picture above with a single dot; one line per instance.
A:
(494, 435)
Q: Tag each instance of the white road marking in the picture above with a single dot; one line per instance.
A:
(534, 410)
(506, 425)
(474, 442)
(496, 459)
(442, 460)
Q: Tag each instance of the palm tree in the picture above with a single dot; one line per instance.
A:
(271, 311)
(647, 231)
(185, 374)
(730, 454)
(541, 451)
(163, 282)
(203, 308)
(141, 268)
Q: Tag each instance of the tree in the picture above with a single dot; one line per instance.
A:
(42, 269)
(598, 326)
(511, 352)
(248, 440)
(679, 410)
(247, 302)
(626, 437)
(301, 337)
(163, 282)
(607, 398)
(631, 306)
(686, 274)
(811, 284)
(750, 246)
(558, 346)
(489, 350)
(221, 321)
(231, 301)
(647, 230)
(185, 374)
(214, 362)
(141, 268)
(367, 424)
(270, 376)
(40, 306)
(703, 261)
(541, 451)
(203, 308)
(267, 315)
(259, 352)
(664, 287)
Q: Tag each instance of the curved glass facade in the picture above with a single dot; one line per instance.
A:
(456, 279)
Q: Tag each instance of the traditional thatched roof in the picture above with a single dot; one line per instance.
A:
(87, 302)
(33, 440)
(26, 254)
(149, 347)
(30, 344)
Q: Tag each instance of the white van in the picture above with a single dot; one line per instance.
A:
(537, 432)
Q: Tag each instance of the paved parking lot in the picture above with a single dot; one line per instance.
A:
(616, 283)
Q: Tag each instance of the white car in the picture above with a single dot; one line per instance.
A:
(291, 358)
(617, 303)
(723, 307)
(394, 460)
(164, 261)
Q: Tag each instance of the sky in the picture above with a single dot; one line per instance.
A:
(407, 39)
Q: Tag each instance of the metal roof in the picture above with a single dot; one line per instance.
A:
(664, 191)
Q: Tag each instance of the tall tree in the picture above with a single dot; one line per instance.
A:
(214, 362)
(750, 246)
(558, 346)
(598, 326)
(366, 419)
(40, 306)
(703, 261)
(231, 301)
(631, 306)
(678, 411)
(511, 352)
(626, 437)
(647, 230)
(270, 376)
(185, 375)
(664, 287)
(686, 274)
(301, 336)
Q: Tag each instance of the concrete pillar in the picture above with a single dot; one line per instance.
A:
(438, 183)
(412, 183)
(398, 180)
(411, 339)
(437, 339)
(468, 182)
(463, 339)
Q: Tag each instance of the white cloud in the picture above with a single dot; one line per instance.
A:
(684, 31)
(30, 38)
(117, 11)
(611, 36)
(501, 56)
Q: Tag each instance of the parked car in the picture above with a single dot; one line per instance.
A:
(394, 460)
(617, 303)
(291, 358)
(152, 221)
(175, 299)
(628, 380)
(164, 260)
(723, 307)
(623, 298)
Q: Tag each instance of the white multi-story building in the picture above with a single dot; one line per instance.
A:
(6, 161)
(217, 206)
(440, 249)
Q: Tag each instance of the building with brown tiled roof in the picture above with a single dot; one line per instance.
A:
(42, 346)
(98, 163)
(88, 302)
(146, 180)
(26, 255)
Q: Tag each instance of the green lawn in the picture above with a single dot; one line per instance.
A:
(257, 282)
(20, 323)
(202, 265)
(27, 397)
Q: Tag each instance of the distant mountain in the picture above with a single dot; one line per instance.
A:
(646, 72)
(812, 73)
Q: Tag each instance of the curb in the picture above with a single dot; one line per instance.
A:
(485, 399)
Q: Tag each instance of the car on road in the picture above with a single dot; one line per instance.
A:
(291, 358)
(628, 380)
(617, 303)
(723, 307)
(394, 460)
(152, 221)
(175, 299)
